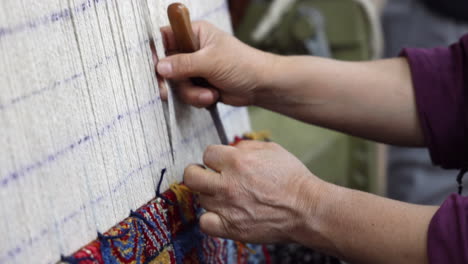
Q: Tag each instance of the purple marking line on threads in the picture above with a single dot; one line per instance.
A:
(96, 66)
(12, 176)
(54, 17)
(65, 81)
(20, 247)
(65, 14)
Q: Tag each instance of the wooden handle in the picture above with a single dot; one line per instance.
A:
(179, 17)
(187, 42)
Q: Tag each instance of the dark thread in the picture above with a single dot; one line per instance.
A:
(460, 180)
(158, 189)
(73, 260)
(65, 14)
(186, 241)
(142, 218)
(18, 249)
(87, 138)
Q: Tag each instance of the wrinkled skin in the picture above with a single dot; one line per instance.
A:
(252, 191)
(250, 194)
(234, 68)
(258, 192)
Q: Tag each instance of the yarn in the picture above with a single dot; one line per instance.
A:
(160, 232)
(84, 134)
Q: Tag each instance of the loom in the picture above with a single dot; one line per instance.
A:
(83, 130)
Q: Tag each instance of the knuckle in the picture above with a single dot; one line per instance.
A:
(208, 154)
(185, 64)
(237, 162)
(189, 175)
(187, 170)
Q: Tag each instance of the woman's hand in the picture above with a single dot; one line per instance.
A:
(235, 69)
(257, 192)
(260, 193)
(374, 100)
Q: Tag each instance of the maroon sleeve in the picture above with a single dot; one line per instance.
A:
(440, 80)
(448, 232)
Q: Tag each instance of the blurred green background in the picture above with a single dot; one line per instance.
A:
(340, 29)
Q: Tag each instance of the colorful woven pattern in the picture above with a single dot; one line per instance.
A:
(164, 231)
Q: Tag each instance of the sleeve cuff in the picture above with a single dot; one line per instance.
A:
(448, 233)
(438, 82)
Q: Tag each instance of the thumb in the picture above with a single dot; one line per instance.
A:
(212, 224)
(180, 66)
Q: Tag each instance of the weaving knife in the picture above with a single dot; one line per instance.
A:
(179, 17)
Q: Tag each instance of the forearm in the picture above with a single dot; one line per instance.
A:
(364, 228)
(374, 100)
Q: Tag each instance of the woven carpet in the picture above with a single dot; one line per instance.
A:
(165, 230)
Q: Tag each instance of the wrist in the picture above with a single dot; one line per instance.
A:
(267, 78)
(317, 203)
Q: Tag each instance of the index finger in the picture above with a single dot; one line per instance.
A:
(217, 157)
(201, 180)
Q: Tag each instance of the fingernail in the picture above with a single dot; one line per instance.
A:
(164, 68)
(205, 98)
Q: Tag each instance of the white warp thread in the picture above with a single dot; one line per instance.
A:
(83, 136)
